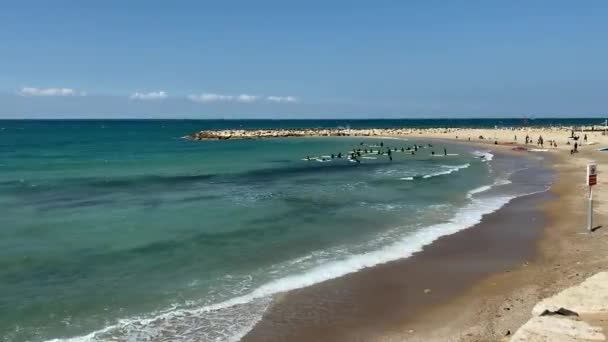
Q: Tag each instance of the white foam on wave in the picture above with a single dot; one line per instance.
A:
(449, 170)
(186, 324)
(484, 155)
(485, 188)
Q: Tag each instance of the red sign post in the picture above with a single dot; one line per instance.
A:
(591, 181)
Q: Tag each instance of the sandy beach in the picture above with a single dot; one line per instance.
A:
(476, 285)
(566, 253)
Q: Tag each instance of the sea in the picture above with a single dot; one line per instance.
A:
(122, 230)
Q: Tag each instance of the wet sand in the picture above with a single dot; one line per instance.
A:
(385, 302)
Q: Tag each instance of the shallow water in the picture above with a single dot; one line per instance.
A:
(123, 230)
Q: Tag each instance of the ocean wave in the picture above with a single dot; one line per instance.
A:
(231, 319)
(447, 169)
(485, 188)
(484, 155)
(450, 169)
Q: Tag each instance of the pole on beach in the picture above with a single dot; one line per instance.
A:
(591, 181)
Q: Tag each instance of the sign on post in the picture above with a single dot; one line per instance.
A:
(591, 174)
(591, 181)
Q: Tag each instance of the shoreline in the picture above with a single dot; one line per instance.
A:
(494, 306)
(354, 302)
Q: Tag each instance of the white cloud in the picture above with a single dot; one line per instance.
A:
(154, 95)
(243, 98)
(246, 98)
(282, 98)
(207, 97)
(31, 91)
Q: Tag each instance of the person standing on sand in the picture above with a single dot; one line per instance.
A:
(585, 138)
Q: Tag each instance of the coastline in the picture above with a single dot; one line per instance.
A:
(380, 302)
(456, 304)
(496, 306)
(566, 254)
(493, 305)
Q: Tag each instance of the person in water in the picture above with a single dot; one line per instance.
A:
(445, 151)
(432, 153)
(339, 154)
(332, 156)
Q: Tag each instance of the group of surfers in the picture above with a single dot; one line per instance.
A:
(357, 153)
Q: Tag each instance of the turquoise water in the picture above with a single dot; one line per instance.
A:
(124, 231)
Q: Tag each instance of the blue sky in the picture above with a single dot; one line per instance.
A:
(288, 59)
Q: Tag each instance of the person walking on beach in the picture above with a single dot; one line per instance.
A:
(585, 138)
(527, 139)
